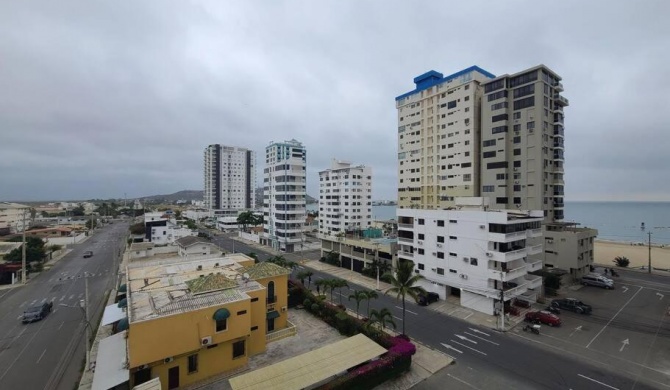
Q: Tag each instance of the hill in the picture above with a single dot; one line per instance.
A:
(187, 195)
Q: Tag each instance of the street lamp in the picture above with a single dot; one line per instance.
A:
(83, 306)
(376, 244)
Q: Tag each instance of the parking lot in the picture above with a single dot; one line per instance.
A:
(629, 328)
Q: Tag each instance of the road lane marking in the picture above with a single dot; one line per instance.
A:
(23, 304)
(61, 325)
(409, 311)
(397, 318)
(480, 332)
(465, 339)
(33, 302)
(481, 338)
(576, 329)
(19, 317)
(598, 382)
(61, 298)
(53, 299)
(71, 296)
(41, 356)
(623, 345)
(465, 346)
(612, 319)
(462, 381)
(447, 346)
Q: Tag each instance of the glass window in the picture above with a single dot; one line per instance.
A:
(238, 349)
(193, 363)
(221, 325)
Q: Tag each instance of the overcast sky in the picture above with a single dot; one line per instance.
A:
(102, 98)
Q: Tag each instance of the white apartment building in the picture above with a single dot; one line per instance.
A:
(12, 217)
(473, 251)
(438, 139)
(230, 178)
(345, 198)
(284, 195)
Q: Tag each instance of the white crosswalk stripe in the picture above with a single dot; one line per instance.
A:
(71, 296)
(81, 295)
(61, 298)
(53, 299)
(23, 304)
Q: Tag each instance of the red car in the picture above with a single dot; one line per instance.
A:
(543, 317)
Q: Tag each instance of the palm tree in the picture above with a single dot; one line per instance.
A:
(358, 295)
(309, 275)
(338, 284)
(302, 275)
(382, 317)
(369, 295)
(403, 283)
(246, 218)
(321, 284)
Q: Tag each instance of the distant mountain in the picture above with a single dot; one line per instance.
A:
(187, 195)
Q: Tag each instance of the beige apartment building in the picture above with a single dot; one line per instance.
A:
(12, 217)
(438, 139)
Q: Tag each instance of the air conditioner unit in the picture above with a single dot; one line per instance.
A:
(420, 242)
(482, 226)
(168, 360)
(439, 245)
(206, 340)
(516, 182)
(416, 271)
(199, 268)
(144, 367)
(489, 254)
(466, 259)
(283, 308)
(516, 169)
(434, 269)
(434, 253)
(464, 276)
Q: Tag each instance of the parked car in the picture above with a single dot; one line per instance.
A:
(425, 300)
(88, 254)
(572, 304)
(37, 313)
(544, 317)
(598, 281)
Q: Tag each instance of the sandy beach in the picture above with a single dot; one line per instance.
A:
(605, 251)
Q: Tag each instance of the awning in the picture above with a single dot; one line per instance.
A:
(111, 364)
(112, 314)
(272, 314)
(123, 324)
(123, 288)
(221, 314)
(123, 303)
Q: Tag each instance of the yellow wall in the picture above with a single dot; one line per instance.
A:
(256, 343)
(281, 291)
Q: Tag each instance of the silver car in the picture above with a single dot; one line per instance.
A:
(597, 281)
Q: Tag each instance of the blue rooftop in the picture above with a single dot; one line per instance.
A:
(432, 78)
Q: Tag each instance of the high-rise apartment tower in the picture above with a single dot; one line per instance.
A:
(230, 178)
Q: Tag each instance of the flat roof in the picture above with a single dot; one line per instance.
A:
(432, 78)
(111, 363)
(178, 285)
(310, 368)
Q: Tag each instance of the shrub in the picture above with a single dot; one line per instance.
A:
(621, 261)
(307, 302)
(315, 308)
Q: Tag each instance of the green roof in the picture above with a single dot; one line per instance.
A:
(122, 303)
(122, 325)
(209, 283)
(265, 270)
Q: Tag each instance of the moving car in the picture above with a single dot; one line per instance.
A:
(37, 313)
(572, 304)
(425, 300)
(598, 281)
(88, 254)
(544, 317)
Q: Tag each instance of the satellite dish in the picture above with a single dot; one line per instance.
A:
(245, 276)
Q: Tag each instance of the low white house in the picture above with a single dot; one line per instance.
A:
(165, 235)
(196, 246)
(478, 253)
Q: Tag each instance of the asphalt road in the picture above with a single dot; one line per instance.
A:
(48, 354)
(486, 359)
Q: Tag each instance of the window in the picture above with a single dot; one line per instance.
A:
(498, 118)
(516, 140)
(523, 79)
(254, 299)
(193, 363)
(453, 237)
(420, 266)
(238, 349)
(440, 255)
(421, 236)
(254, 328)
(453, 271)
(421, 221)
(488, 188)
(530, 125)
(466, 165)
(499, 129)
(517, 200)
(451, 104)
(498, 106)
(517, 128)
(524, 103)
(501, 200)
(516, 115)
(467, 177)
(440, 271)
(489, 154)
(517, 152)
(517, 164)
(440, 238)
(473, 261)
(221, 325)
(453, 221)
(494, 86)
(452, 254)
(524, 91)
(497, 95)
(489, 142)
(420, 250)
(501, 176)
(497, 165)
(517, 187)
(440, 223)
(241, 312)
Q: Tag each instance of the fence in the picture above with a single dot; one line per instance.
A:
(289, 331)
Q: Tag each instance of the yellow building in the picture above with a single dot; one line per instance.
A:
(193, 319)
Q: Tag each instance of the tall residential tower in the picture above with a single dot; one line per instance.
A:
(230, 178)
(284, 195)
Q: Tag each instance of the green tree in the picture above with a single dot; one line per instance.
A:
(370, 295)
(253, 256)
(245, 219)
(621, 261)
(383, 317)
(358, 296)
(191, 224)
(79, 210)
(90, 222)
(404, 283)
(332, 258)
(302, 275)
(35, 251)
(321, 286)
(258, 220)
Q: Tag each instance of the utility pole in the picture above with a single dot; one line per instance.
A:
(23, 250)
(649, 233)
(87, 324)
(502, 301)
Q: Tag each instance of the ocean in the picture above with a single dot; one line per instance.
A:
(615, 221)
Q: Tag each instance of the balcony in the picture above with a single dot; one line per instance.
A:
(559, 205)
(531, 233)
(406, 254)
(533, 281)
(558, 130)
(407, 240)
(560, 100)
(508, 274)
(507, 237)
(516, 291)
(534, 265)
(558, 143)
(405, 226)
(506, 257)
(535, 249)
(558, 87)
